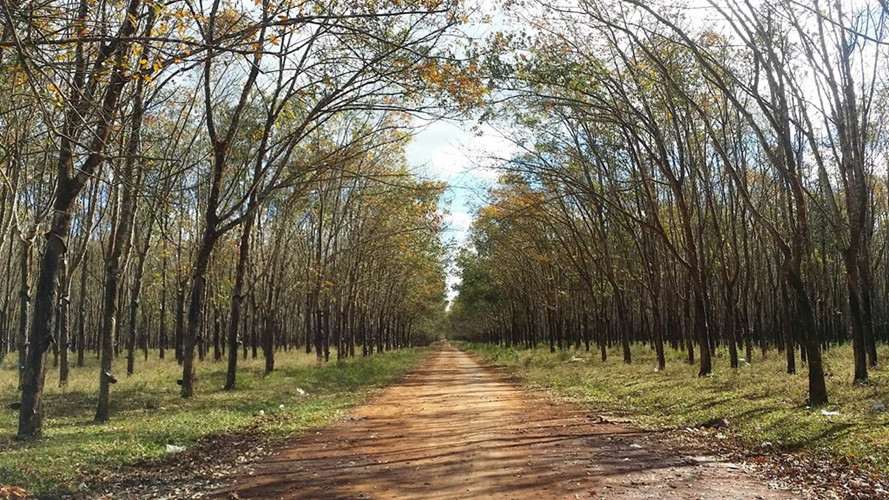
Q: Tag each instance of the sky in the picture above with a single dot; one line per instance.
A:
(460, 155)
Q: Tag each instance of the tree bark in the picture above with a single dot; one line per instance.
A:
(237, 304)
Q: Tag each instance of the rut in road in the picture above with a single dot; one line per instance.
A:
(456, 430)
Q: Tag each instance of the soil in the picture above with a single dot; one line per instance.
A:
(456, 429)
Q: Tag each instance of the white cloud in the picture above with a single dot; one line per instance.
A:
(452, 281)
(456, 154)
(459, 224)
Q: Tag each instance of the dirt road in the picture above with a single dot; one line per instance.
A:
(458, 430)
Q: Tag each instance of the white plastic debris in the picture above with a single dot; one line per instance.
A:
(172, 448)
(281, 407)
(765, 444)
(829, 413)
(261, 412)
(879, 406)
(300, 391)
(635, 446)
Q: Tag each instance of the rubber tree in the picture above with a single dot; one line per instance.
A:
(69, 182)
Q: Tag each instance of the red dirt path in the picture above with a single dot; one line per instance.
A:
(458, 430)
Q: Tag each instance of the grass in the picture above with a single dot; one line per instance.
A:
(761, 401)
(147, 412)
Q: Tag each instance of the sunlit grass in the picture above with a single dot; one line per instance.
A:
(147, 412)
(761, 401)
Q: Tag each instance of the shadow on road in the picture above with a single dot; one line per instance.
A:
(456, 430)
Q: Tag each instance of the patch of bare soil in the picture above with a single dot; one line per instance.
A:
(458, 430)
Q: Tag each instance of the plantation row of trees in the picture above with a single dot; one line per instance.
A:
(212, 178)
(689, 178)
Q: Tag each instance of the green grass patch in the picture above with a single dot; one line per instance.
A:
(147, 412)
(761, 401)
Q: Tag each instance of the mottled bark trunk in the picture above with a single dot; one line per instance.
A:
(81, 318)
(195, 307)
(162, 327)
(789, 349)
(856, 316)
(39, 338)
(64, 327)
(237, 303)
(27, 245)
(135, 299)
(106, 349)
(806, 318)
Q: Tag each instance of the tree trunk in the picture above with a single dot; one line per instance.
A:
(81, 318)
(237, 303)
(39, 338)
(806, 317)
(162, 327)
(120, 238)
(64, 307)
(179, 334)
(196, 303)
(859, 343)
(135, 299)
(24, 302)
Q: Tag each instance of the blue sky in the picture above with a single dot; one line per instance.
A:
(453, 152)
(461, 153)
